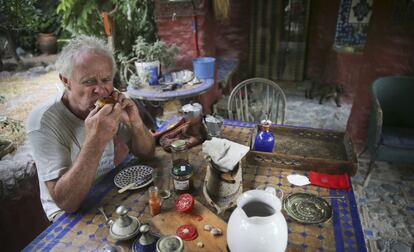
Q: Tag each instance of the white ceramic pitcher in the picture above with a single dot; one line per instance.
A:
(257, 223)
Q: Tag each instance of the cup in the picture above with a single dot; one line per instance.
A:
(162, 181)
(214, 125)
(153, 75)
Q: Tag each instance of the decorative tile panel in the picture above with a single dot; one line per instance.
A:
(352, 24)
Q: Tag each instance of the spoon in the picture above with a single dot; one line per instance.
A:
(108, 221)
(136, 183)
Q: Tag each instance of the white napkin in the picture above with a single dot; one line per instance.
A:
(298, 180)
(224, 153)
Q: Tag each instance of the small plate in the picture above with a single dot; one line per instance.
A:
(133, 173)
(307, 208)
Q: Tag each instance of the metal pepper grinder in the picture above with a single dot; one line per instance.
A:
(147, 242)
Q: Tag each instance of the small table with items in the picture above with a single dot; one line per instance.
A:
(156, 93)
(86, 229)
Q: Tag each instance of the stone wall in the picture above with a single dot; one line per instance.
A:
(21, 214)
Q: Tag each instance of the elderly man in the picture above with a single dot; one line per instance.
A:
(75, 142)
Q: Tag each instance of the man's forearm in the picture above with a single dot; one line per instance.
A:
(142, 142)
(71, 189)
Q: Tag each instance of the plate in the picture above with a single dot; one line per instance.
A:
(179, 77)
(307, 208)
(132, 174)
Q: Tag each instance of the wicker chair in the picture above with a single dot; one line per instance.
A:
(391, 127)
(256, 99)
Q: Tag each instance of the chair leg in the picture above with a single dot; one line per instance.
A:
(369, 173)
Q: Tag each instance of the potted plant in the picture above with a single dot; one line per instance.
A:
(48, 27)
(145, 56)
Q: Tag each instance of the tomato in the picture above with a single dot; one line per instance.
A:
(187, 232)
(184, 203)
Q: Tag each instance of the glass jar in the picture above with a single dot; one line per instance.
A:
(154, 201)
(265, 140)
(183, 178)
(179, 153)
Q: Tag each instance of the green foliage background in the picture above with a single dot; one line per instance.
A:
(132, 18)
(23, 19)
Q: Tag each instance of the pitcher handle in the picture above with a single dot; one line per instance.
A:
(272, 190)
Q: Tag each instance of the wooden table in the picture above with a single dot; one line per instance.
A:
(85, 230)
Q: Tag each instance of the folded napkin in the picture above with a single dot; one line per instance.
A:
(224, 153)
(330, 180)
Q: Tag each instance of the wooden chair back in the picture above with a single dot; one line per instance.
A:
(257, 99)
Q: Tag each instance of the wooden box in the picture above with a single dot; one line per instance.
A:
(318, 150)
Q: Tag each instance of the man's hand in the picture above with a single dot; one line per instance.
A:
(102, 124)
(142, 142)
(129, 114)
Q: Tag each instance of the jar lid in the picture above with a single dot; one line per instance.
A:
(170, 243)
(179, 144)
(266, 122)
(182, 170)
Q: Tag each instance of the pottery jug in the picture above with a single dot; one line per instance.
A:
(257, 223)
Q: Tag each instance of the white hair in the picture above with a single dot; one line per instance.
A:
(78, 45)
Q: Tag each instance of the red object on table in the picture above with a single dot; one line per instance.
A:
(187, 232)
(330, 180)
(184, 203)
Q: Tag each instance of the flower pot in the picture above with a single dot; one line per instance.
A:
(47, 43)
(142, 66)
(148, 71)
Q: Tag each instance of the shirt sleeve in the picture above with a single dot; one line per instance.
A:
(52, 157)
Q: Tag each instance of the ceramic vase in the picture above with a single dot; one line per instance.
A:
(265, 140)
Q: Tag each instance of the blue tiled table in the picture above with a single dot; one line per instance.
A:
(86, 231)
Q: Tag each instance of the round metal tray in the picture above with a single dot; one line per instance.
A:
(132, 174)
(307, 208)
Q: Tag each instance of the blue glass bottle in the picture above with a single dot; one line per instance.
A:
(265, 140)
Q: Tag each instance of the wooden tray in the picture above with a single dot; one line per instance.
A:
(308, 149)
(168, 222)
